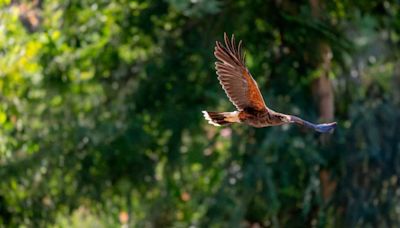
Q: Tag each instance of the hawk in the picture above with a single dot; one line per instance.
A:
(243, 92)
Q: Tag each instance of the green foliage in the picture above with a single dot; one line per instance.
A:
(100, 115)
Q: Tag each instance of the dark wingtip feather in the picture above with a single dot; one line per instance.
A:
(325, 128)
(227, 43)
(233, 44)
(228, 52)
(239, 52)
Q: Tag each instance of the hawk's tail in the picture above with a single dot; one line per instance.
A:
(221, 118)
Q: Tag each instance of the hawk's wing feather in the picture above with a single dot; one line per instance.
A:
(323, 128)
(235, 78)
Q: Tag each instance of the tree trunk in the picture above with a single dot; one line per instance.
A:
(323, 91)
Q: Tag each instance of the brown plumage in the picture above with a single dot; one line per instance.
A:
(243, 92)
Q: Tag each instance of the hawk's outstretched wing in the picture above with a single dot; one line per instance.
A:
(323, 128)
(235, 78)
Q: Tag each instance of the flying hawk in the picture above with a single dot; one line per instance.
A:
(243, 92)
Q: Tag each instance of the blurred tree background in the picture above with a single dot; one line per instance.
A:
(101, 125)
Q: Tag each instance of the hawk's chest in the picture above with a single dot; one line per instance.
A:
(260, 118)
